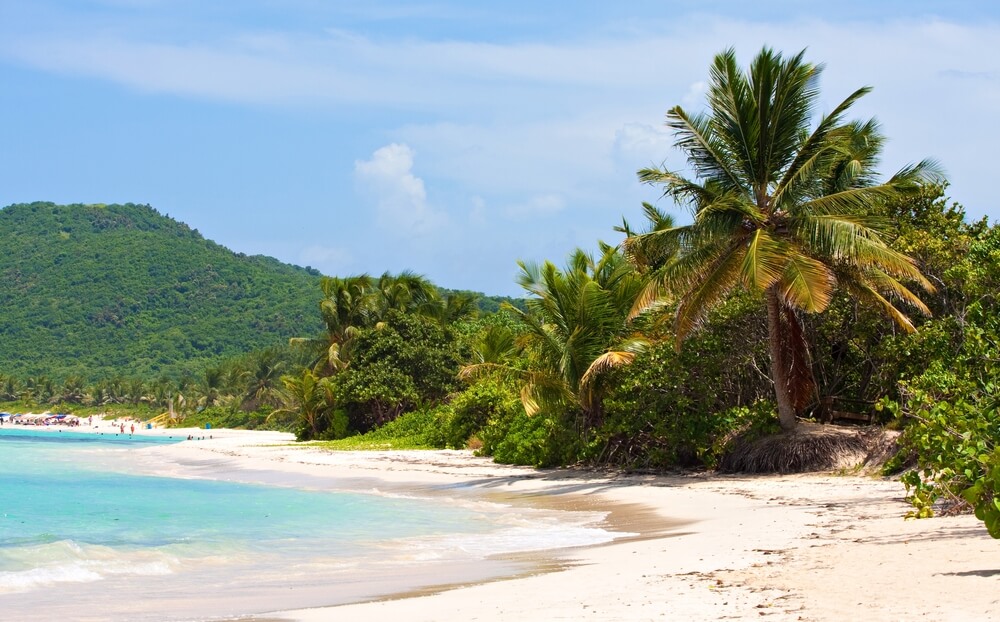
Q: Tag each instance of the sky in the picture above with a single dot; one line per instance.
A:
(450, 138)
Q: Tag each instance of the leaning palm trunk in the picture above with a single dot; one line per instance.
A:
(794, 384)
(779, 364)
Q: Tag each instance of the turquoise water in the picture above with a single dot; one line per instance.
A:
(198, 548)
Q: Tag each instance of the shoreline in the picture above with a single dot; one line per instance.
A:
(707, 546)
(796, 547)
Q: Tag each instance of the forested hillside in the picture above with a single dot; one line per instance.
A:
(105, 290)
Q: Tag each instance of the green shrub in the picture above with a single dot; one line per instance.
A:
(337, 423)
(512, 437)
(674, 408)
(473, 408)
(951, 414)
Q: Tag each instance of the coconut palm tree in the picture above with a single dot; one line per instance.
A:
(781, 207)
(649, 253)
(72, 391)
(10, 388)
(346, 308)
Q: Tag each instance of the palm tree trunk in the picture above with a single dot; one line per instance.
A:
(780, 365)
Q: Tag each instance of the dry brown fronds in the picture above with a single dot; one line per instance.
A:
(812, 447)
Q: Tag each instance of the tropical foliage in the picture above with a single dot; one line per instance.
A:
(573, 332)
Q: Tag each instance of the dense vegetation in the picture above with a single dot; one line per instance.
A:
(803, 289)
(96, 291)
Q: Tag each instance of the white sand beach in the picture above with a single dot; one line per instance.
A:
(712, 547)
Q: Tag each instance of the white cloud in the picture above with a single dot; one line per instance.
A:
(399, 195)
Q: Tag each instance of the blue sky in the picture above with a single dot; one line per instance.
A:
(449, 138)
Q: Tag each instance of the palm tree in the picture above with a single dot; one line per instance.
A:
(575, 332)
(406, 292)
(346, 307)
(781, 208)
(649, 253)
(10, 388)
(309, 398)
(133, 391)
(72, 391)
(210, 386)
(355, 303)
(261, 376)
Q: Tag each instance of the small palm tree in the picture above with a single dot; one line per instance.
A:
(781, 207)
(209, 387)
(575, 332)
(307, 397)
(72, 391)
(10, 388)
(261, 377)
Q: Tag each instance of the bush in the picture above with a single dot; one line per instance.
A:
(405, 363)
(674, 408)
(951, 414)
(472, 409)
(512, 437)
(952, 435)
(337, 423)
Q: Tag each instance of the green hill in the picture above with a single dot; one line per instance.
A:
(104, 290)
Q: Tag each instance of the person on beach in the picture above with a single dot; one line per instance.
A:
(133, 429)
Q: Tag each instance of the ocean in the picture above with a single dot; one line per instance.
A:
(85, 536)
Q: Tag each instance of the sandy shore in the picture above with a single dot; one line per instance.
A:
(814, 547)
(710, 547)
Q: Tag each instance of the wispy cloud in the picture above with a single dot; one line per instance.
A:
(480, 133)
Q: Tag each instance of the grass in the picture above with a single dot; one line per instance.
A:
(364, 443)
(413, 430)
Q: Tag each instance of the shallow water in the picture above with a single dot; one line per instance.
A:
(84, 537)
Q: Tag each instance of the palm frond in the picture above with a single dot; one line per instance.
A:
(764, 261)
(806, 284)
(718, 280)
(866, 292)
(694, 137)
(812, 148)
(856, 239)
(889, 285)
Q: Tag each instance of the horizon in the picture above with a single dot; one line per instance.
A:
(440, 138)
